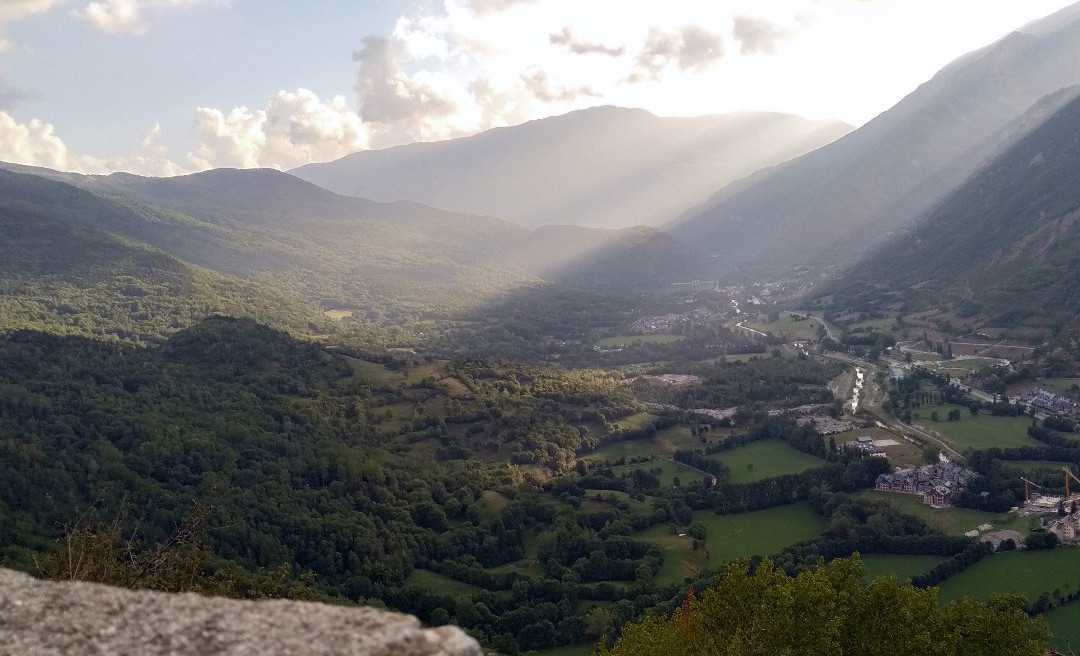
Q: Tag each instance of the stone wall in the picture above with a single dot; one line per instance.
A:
(39, 618)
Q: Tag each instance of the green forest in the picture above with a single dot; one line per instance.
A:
(459, 491)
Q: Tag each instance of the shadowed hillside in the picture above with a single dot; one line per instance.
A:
(828, 206)
(1004, 247)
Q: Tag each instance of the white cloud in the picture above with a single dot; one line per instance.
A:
(36, 144)
(567, 39)
(33, 143)
(118, 16)
(536, 81)
(482, 7)
(688, 48)
(503, 61)
(387, 95)
(454, 67)
(13, 10)
(471, 65)
(295, 128)
(151, 137)
(757, 36)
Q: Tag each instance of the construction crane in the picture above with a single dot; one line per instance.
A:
(1068, 475)
(1027, 494)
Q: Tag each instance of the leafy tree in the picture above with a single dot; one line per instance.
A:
(597, 622)
(828, 611)
(697, 530)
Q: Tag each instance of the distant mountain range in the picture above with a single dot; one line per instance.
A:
(274, 240)
(829, 206)
(603, 167)
(1000, 253)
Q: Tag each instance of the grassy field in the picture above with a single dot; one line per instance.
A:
(728, 537)
(679, 437)
(787, 326)
(1059, 385)
(568, 650)
(1028, 573)
(1029, 467)
(374, 372)
(644, 448)
(634, 422)
(607, 499)
(493, 503)
(761, 532)
(338, 315)
(878, 325)
(454, 388)
(666, 470)
(963, 367)
(664, 443)
(901, 454)
(952, 521)
(371, 371)
(440, 584)
(765, 459)
(628, 340)
(740, 357)
(1064, 623)
(982, 432)
(902, 566)
(525, 566)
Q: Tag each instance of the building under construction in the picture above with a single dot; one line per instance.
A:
(1037, 502)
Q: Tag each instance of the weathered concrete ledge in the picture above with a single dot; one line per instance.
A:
(39, 618)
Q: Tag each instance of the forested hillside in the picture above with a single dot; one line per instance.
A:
(1002, 250)
(330, 252)
(62, 270)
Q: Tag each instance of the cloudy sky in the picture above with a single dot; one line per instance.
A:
(170, 86)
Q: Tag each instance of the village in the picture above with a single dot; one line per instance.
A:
(937, 483)
(1037, 397)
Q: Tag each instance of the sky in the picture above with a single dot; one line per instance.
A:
(165, 87)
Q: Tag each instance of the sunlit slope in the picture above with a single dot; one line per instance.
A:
(62, 269)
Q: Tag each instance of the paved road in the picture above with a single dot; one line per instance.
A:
(942, 445)
(891, 423)
(979, 394)
(756, 332)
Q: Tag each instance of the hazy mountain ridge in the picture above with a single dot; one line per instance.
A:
(601, 167)
(830, 205)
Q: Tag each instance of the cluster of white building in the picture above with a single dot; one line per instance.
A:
(1047, 400)
(865, 444)
(1067, 528)
(659, 325)
(937, 484)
